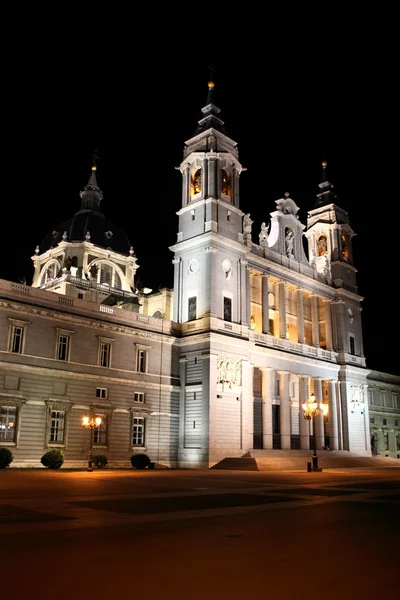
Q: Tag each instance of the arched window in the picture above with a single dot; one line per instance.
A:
(195, 182)
(322, 245)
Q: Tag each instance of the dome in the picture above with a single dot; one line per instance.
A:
(88, 226)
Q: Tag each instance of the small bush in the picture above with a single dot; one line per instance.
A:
(100, 460)
(6, 458)
(140, 461)
(53, 459)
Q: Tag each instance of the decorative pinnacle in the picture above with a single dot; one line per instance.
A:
(211, 85)
(324, 163)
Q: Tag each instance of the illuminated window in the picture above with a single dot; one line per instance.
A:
(345, 250)
(138, 431)
(322, 245)
(195, 183)
(8, 419)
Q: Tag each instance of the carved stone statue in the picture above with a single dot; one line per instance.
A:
(247, 223)
(263, 236)
(289, 241)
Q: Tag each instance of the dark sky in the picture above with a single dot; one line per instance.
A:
(285, 123)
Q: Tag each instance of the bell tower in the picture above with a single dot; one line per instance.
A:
(329, 238)
(210, 230)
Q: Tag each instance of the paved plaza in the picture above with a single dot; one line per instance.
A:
(183, 534)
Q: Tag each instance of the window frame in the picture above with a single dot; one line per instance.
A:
(17, 402)
(139, 395)
(13, 325)
(67, 334)
(105, 343)
(101, 396)
(142, 358)
(138, 420)
(54, 405)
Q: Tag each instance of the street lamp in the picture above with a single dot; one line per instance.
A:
(311, 410)
(91, 423)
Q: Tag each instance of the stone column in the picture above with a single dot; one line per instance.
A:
(243, 292)
(248, 306)
(328, 325)
(268, 381)
(282, 310)
(177, 262)
(247, 406)
(314, 318)
(265, 304)
(300, 317)
(304, 424)
(182, 372)
(319, 419)
(186, 185)
(333, 416)
(209, 292)
(284, 409)
(205, 179)
(212, 178)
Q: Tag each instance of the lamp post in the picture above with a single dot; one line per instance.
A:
(91, 423)
(311, 410)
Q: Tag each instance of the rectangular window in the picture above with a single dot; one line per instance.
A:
(57, 423)
(138, 431)
(105, 353)
(8, 419)
(227, 309)
(386, 436)
(63, 343)
(100, 432)
(16, 339)
(352, 346)
(396, 422)
(192, 308)
(139, 397)
(384, 422)
(372, 420)
(141, 361)
(101, 393)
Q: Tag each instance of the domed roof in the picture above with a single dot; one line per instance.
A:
(89, 224)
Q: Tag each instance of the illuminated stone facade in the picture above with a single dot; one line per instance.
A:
(217, 365)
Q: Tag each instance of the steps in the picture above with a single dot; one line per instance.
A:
(296, 460)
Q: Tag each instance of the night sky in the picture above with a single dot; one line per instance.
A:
(285, 123)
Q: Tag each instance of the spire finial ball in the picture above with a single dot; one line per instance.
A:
(211, 85)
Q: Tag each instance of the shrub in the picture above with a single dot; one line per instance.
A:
(100, 460)
(140, 461)
(53, 459)
(6, 457)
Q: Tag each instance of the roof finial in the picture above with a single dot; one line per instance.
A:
(211, 82)
(95, 157)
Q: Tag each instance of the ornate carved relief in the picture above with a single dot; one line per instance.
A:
(229, 372)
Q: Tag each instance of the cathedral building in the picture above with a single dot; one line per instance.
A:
(224, 362)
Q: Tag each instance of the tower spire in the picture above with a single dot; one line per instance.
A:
(91, 194)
